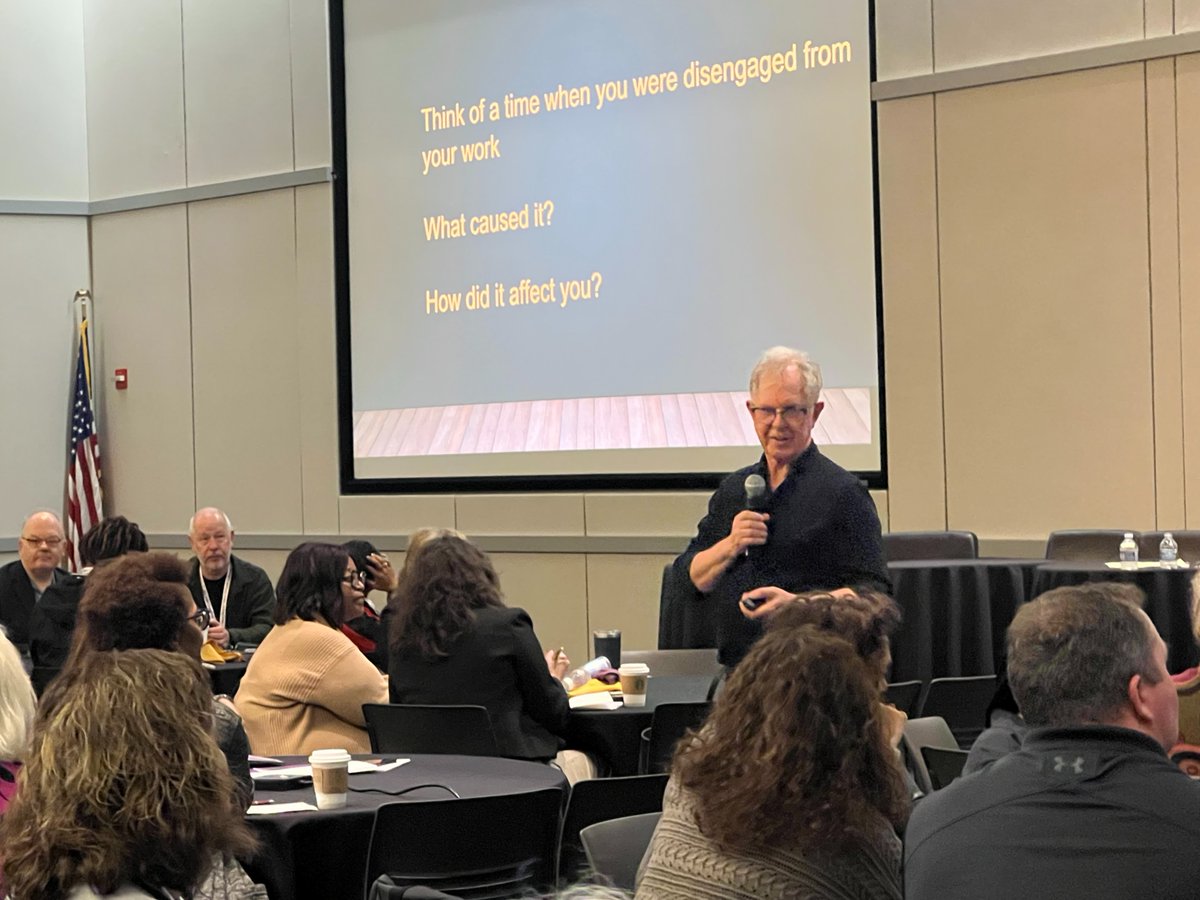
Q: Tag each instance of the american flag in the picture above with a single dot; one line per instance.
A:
(84, 499)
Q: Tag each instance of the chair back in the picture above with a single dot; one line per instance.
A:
(408, 728)
(1188, 542)
(685, 618)
(615, 848)
(1085, 544)
(925, 732)
(904, 695)
(597, 799)
(671, 722)
(694, 661)
(474, 848)
(962, 702)
(944, 765)
(902, 545)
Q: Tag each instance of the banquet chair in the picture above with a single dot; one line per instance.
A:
(962, 703)
(907, 545)
(1085, 545)
(671, 721)
(700, 661)
(685, 616)
(405, 728)
(1188, 542)
(904, 695)
(615, 848)
(597, 799)
(474, 848)
(943, 764)
(925, 732)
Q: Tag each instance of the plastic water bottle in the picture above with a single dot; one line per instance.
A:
(1168, 552)
(581, 676)
(1129, 552)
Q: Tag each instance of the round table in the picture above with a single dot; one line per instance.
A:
(322, 854)
(1168, 599)
(613, 737)
(955, 614)
(226, 676)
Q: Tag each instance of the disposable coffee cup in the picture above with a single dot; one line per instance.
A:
(330, 771)
(634, 678)
(607, 644)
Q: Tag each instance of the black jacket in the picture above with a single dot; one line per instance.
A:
(17, 601)
(51, 628)
(251, 600)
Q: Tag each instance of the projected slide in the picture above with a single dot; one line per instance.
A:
(573, 227)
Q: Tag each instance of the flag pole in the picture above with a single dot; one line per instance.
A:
(84, 495)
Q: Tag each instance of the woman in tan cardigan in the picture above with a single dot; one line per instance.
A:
(306, 684)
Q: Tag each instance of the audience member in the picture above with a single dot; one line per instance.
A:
(1090, 806)
(814, 526)
(793, 787)
(454, 641)
(1006, 729)
(141, 602)
(305, 686)
(236, 593)
(124, 793)
(17, 708)
(367, 631)
(23, 581)
(53, 619)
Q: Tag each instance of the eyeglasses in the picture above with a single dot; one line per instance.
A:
(51, 542)
(202, 618)
(765, 415)
(354, 578)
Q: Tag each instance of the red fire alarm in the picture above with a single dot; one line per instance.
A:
(121, 377)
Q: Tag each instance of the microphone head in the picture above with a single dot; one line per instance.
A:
(756, 491)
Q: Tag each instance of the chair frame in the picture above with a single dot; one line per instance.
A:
(480, 742)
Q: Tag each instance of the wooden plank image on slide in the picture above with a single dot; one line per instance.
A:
(593, 423)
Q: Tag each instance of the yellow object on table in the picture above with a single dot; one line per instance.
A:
(593, 686)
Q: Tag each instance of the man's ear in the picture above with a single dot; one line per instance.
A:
(817, 407)
(1135, 692)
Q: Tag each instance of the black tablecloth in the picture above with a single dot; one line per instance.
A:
(323, 854)
(613, 737)
(955, 614)
(226, 676)
(1168, 600)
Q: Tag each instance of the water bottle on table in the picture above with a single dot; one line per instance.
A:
(1128, 552)
(581, 676)
(1168, 552)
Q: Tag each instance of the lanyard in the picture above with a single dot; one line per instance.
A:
(224, 593)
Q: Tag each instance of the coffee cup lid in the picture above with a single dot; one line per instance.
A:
(326, 757)
(634, 669)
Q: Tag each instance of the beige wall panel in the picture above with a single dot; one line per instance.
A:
(43, 150)
(1167, 339)
(140, 272)
(903, 38)
(310, 83)
(43, 261)
(270, 560)
(911, 314)
(237, 74)
(623, 592)
(1187, 16)
(647, 514)
(977, 32)
(882, 508)
(1045, 299)
(134, 63)
(399, 515)
(246, 365)
(1160, 18)
(552, 588)
(540, 514)
(318, 348)
(1188, 86)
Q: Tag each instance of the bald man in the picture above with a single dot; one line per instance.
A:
(22, 583)
(238, 594)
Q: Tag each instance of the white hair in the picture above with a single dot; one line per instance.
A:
(192, 520)
(780, 359)
(18, 703)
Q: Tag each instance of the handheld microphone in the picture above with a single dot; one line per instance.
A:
(756, 496)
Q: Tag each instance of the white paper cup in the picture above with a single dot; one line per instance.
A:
(634, 678)
(330, 769)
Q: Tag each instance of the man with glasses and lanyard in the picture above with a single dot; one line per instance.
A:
(794, 521)
(237, 594)
(22, 582)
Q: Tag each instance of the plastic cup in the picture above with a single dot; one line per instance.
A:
(607, 644)
(634, 680)
(330, 770)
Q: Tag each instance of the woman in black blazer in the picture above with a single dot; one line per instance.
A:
(453, 641)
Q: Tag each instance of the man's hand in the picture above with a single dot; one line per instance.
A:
(218, 634)
(765, 601)
(749, 529)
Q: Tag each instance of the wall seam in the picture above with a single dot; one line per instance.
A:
(187, 234)
(1179, 278)
(1154, 473)
(937, 221)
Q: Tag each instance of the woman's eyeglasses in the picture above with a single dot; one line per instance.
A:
(354, 578)
(202, 618)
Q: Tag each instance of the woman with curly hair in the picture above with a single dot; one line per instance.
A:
(306, 684)
(793, 787)
(454, 641)
(124, 793)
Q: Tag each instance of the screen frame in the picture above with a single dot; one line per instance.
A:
(350, 484)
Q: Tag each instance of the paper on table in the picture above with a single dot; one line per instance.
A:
(356, 767)
(273, 809)
(602, 700)
(1151, 564)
